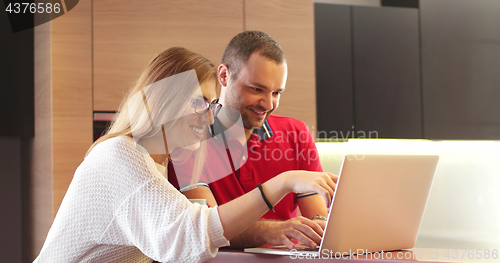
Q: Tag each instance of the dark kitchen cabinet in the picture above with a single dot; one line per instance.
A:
(334, 96)
(430, 72)
(461, 69)
(368, 71)
(386, 59)
(18, 81)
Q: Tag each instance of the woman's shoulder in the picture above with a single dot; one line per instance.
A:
(118, 140)
(116, 150)
(115, 145)
(117, 158)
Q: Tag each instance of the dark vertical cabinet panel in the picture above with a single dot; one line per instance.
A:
(370, 70)
(461, 68)
(333, 70)
(387, 90)
(11, 249)
(17, 76)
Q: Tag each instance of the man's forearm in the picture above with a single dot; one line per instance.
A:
(254, 236)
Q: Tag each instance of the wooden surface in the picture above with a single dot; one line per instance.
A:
(71, 95)
(128, 34)
(291, 23)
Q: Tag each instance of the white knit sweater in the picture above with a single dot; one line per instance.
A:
(120, 208)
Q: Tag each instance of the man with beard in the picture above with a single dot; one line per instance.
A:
(253, 75)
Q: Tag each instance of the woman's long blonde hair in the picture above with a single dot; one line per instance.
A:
(163, 107)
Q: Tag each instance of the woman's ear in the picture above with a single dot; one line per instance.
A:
(223, 75)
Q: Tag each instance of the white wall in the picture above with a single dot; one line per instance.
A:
(463, 209)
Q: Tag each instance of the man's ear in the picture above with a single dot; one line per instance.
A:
(223, 75)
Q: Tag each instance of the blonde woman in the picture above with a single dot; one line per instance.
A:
(121, 208)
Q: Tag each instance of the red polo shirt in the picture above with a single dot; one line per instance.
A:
(231, 169)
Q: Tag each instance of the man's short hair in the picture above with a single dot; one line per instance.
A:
(245, 44)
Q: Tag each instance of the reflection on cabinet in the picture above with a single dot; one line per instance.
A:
(368, 71)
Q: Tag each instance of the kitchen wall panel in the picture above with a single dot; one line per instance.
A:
(128, 34)
(291, 23)
(71, 95)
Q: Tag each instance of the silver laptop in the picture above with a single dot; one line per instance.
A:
(378, 205)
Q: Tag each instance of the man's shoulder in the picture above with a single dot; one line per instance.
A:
(285, 123)
(290, 130)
